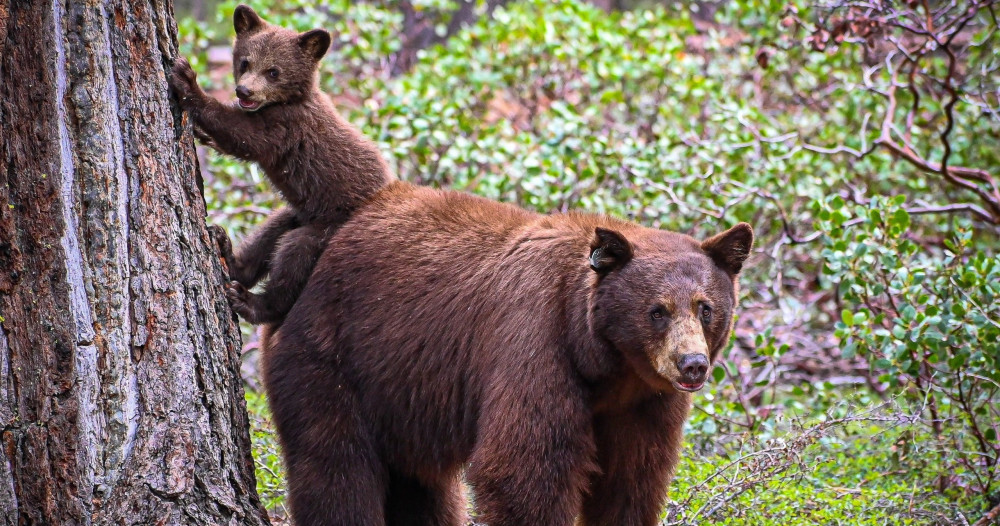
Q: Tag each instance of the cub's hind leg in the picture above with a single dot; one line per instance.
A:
(291, 266)
(253, 258)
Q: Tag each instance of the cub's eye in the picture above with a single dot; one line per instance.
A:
(658, 313)
(244, 64)
(273, 73)
(706, 314)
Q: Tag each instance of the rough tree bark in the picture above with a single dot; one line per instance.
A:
(120, 394)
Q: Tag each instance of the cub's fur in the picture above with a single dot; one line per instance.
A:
(321, 164)
(551, 356)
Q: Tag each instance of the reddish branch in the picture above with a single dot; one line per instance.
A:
(956, 175)
(991, 517)
(923, 35)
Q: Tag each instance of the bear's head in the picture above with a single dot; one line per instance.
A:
(273, 65)
(665, 301)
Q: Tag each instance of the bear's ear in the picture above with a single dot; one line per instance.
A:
(609, 250)
(731, 248)
(315, 43)
(246, 21)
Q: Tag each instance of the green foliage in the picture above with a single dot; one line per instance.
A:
(927, 321)
(833, 467)
(267, 458)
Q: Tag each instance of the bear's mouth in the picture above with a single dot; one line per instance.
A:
(689, 387)
(249, 105)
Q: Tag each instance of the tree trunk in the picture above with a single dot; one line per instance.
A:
(120, 393)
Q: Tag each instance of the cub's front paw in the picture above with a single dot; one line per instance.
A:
(183, 80)
(241, 300)
(222, 240)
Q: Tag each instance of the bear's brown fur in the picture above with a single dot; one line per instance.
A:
(321, 164)
(548, 355)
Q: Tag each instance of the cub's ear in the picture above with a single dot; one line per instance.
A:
(315, 43)
(731, 248)
(609, 250)
(246, 21)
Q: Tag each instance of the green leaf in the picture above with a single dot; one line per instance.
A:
(849, 350)
(718, 373)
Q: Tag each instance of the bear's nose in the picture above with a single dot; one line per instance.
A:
(693, 368)
(242, 92)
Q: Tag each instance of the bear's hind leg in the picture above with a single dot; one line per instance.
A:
(335, 476)
(414, 503)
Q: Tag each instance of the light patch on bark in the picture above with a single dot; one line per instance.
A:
(85, 354)
(89, 414)
(123, 402)
(70, 241)
(8, 497)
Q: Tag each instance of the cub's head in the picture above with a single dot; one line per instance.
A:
(665, 301)
(273, 65)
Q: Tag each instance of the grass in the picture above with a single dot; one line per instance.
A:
(838, 466)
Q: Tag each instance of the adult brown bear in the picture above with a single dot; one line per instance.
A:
(550, 356)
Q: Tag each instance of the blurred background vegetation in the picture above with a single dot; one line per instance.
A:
(861, 139)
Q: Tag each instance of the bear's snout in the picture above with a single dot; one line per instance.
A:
(693, 368)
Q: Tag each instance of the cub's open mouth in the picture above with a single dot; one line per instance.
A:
(688, 387)
(249, 104)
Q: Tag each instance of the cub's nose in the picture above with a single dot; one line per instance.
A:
(242, 92)
(693, 368)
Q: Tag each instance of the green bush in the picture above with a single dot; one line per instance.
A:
(927, 321)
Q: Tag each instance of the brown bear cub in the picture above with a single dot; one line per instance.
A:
(321, 164)
(551, 357)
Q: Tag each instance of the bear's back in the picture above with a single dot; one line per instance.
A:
(444, 255)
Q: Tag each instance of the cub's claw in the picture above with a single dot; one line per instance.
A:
(245, 303)
(183, 69)
(183, 80)
(222, 240)
(236, 291)
(239, 298)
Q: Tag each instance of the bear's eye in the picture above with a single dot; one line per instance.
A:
(706, 314)
(658, 313)
(273, 73)
(244, 64)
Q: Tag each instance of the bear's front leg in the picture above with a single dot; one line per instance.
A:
(637, 451)
(535, 454)
(227, 129)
